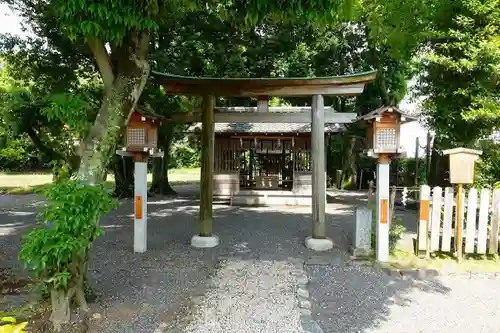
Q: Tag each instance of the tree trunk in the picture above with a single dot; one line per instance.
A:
(100, 145)
(44, 149)
(61, 310)
(123, 168)
(161, 184)
(349, 170)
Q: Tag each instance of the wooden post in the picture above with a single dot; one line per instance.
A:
(458, 224)
(495, 222)
(205, 239)
(140, 203)
(318, 241)
(428, 158)
(382, 208)
(370, 192)
(207, 165)
(417, 160)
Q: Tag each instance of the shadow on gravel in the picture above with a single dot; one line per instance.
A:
(139, 292)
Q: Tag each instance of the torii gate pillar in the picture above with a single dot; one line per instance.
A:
(318, 241)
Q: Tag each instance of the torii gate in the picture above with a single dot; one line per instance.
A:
(262, 88)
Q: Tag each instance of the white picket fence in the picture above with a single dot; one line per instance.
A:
(480, 220)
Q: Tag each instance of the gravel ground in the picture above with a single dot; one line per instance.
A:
(174, 284)
(249, 296)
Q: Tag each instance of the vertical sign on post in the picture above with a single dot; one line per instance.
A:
(382, 209)
(140, 206)
(462, 172)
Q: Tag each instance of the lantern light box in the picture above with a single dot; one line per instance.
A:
(142, 132)
(383, 130)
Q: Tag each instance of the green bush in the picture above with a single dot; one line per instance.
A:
(184, 154)
(487, 169)
(10, 325)
(15, 156)
(57, 251)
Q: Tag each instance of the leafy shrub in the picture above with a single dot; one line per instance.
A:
(487, 169)
(10, 325)
(57, 252)
(15, 156)
(184, 154)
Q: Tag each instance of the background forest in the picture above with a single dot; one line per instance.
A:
(54, 83)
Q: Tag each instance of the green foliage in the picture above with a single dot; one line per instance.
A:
(406, 169)
(10, 325)
(113, 20)
(487, 168)
(74, 110)
(460, 70)
(184, 154)
(15, 156)
(70, 223)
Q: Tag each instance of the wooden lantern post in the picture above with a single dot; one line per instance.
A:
(383, 137)
(141, 141)
(461, 172)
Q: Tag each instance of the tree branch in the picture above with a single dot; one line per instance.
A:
(103, 62)
(51, 153)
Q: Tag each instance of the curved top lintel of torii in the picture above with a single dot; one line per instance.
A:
(344, 85)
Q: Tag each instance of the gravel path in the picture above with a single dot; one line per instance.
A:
(470, 305)
(249, 296)
(254, 289)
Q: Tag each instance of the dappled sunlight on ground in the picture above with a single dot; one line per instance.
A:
(139, 292)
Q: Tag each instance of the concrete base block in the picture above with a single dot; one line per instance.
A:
(361, 253)
(319, 244)
(203, 242)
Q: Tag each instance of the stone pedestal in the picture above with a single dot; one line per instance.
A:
(203, 242)
(319, 244)
(362, 246)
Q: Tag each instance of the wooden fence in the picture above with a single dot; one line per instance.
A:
(480, 220)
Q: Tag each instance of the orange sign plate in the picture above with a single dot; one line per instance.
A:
(384, 211)
(424, 210)
(138, 207)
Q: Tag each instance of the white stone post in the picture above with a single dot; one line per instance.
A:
(318, 241)
(382, 209)
(140, 206)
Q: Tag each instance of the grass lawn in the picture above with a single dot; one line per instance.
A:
(24, 183)
(444, 262)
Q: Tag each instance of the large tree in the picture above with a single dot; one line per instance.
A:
(49, 94)
(460, 72)
(120, 35)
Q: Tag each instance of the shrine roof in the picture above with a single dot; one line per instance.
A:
(271, 128)
(350, 84)
(379, 111)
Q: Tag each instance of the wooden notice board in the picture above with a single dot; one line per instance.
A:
(138, 207)
(384, 211)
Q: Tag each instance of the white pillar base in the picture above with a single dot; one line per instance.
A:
(319, 244)
(203, 242)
